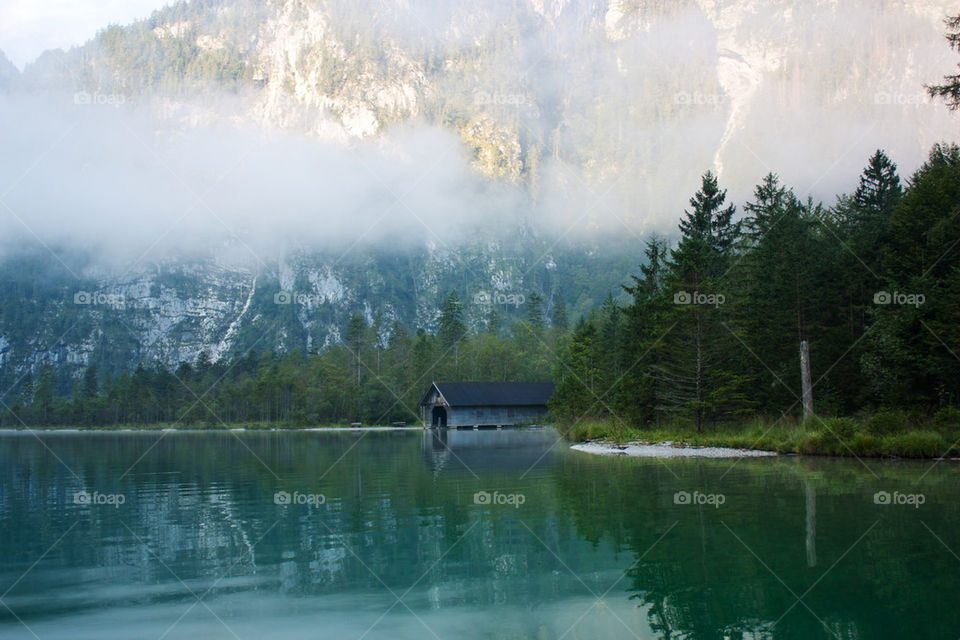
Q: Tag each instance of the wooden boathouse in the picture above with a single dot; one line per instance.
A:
(484, 404)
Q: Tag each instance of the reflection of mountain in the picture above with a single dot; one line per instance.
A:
(466, 450)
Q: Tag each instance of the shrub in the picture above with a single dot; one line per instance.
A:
(843, 428)
(887, 423)
(866, 445)
(822, 443)
(915, 444)
(947, 421)
(578, 432)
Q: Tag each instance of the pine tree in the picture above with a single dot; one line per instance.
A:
(356, 328)
(46, 391)
(707, 232)
(559, 316)
(950, 89)
(644, 327)
(493, 321)
(577, 373)
(91, 386)
(452, 329)
(694, 355)
(879, 190)
(535, 311)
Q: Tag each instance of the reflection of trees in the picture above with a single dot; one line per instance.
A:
(706, 578)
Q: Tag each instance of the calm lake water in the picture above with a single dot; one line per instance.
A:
(479, 535)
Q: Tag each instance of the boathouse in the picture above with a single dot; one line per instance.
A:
(484, 404)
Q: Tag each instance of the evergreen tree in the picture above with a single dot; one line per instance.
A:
(645, 325)
(356, 328)
(693, 357)
(535, 311)
(950, 89)
(707, 233)
(559, 316)
(576, 375)
(452, 330)
(45, 393)
(879, 191)
(493, 321)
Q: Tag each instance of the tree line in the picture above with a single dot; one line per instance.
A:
(376, 376)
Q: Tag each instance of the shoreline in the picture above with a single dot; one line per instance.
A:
(667, 450)
(36, 430)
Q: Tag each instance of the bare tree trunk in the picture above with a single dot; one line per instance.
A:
(806, 386)
(699, 374)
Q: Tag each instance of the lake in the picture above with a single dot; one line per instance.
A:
(463, 534)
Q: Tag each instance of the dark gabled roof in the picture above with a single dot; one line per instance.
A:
(484, 394)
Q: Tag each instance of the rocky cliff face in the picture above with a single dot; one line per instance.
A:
(602, 85)
(170, 313)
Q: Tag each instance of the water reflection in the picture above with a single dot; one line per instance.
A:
(517, 449)
(400, 547)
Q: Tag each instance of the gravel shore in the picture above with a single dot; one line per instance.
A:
(666, 450)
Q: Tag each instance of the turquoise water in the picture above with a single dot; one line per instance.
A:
(477, 535)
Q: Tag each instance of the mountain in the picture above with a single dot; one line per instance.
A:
(602, 113)
(537, 88)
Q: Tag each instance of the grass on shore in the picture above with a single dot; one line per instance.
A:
(885, 434)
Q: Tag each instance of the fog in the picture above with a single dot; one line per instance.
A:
(624, 123)
(113, 181)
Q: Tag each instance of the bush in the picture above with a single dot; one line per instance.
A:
(887, 423)
(947, 421)
(596, 430)
(915, 444)
(843, 428)
(823, 443)
(866, 445)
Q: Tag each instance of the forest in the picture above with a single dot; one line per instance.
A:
(711, 334)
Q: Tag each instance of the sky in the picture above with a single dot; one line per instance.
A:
(30, 27)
